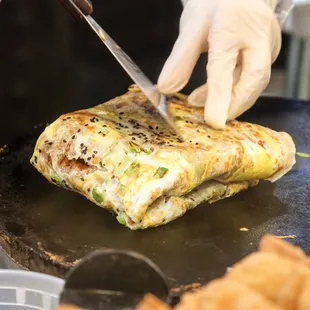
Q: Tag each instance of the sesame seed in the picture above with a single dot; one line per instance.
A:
(94, 119)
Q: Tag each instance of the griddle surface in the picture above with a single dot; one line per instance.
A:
(47, 229)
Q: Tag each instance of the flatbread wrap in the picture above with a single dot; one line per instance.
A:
(122, 156)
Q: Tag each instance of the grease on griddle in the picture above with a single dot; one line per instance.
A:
(3, 148)
(286, 237)
(185, 288)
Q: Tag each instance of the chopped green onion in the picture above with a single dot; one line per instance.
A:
(148, 152)
(121, 218)
(57, 180)
(134, 148)
(303, 155)
(180, 96)
(161, 171)
(97, 196)
(133, 169)
(122, 166)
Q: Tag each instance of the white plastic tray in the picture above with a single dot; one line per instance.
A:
(21, 290)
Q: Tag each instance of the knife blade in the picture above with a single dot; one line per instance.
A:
(158, 100)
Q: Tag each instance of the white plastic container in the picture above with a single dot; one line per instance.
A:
(25, 290)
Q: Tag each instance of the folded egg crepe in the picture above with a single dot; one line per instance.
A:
(122, 156)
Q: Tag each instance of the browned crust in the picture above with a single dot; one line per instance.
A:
(277, 277)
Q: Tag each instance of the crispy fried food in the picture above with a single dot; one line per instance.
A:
(277, 277)
(283, 249)
(226, 294)
(150, 302)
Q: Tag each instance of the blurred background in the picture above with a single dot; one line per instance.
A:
(50, 64)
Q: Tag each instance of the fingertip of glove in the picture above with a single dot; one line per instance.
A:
(198, 97)
(215, 121)
(195, 102)
(169, 86)
(165, 88)
(233, 114)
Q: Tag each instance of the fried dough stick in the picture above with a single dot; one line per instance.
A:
(277, 277)
(279, 271)
(220, 294)
(277, 246)
(226, 294)
(150, 302)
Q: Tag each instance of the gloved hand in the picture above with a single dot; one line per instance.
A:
(243, 38)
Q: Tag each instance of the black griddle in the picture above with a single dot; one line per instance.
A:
(48, 229)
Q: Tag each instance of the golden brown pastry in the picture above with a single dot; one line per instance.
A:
(277, 277)
(121, 156)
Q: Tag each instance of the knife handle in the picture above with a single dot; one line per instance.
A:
(84, 5)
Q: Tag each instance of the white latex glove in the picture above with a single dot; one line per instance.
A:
(243, 38)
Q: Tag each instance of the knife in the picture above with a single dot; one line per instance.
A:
(83, 9)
